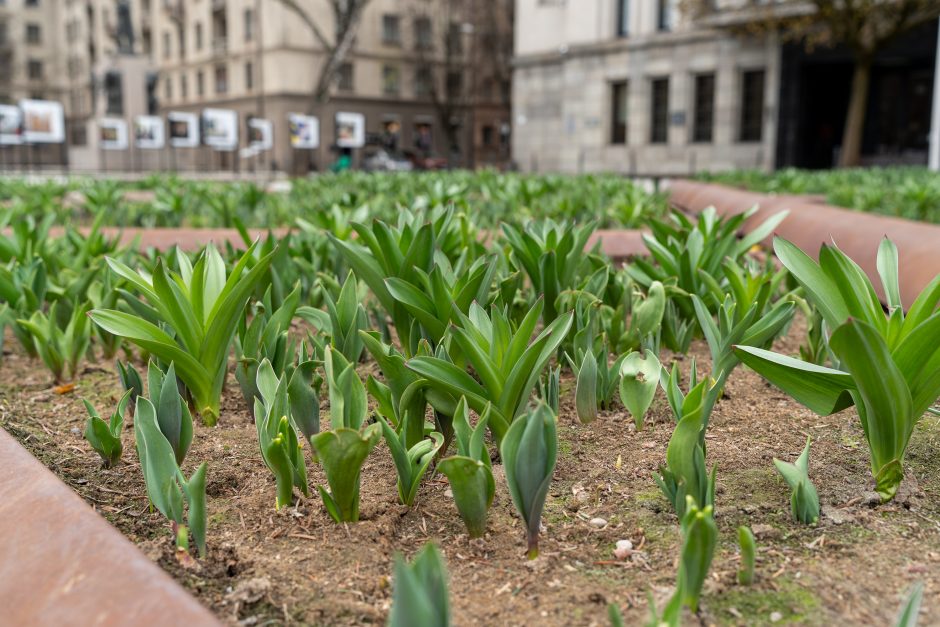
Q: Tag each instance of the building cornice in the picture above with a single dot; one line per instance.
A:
(618, 45)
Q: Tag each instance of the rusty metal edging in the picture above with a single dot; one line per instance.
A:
(63, 564)
(811, 223)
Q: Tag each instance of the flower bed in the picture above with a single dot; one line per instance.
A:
(278, 474)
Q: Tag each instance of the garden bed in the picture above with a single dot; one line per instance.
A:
(297, 566)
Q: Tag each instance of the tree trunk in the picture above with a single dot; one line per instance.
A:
(851, 153)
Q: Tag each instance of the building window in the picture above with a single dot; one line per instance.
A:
(249, 76)
(114, 92)
(168, 89)
(618, 113)
(344, 77)
(454, 85)
(221, 79)
(166, 45)
(78, 135)
(182, 37)
(391, 30)
(184, 87)
(422, 82)
(703, 120)
(33, 34)
(752, 105)
(422, 33)
(455, 39)
(391, 80)
(623, 18)
(3, 32)
(32, 3)
(34, 69)
(198, 35)
(663, 15)
(488, 134)
(249, 25)
(200, 84)
(659, 111)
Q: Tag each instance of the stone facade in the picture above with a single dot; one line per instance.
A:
(563, 84)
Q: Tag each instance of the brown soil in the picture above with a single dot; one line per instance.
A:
(298, 567)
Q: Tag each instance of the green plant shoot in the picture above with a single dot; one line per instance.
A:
(804, 502)
(529, 452)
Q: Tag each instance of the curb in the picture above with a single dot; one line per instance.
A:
(63, 564)
(811, 223)
(619, 244)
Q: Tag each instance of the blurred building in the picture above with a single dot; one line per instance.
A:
(636, 86)
(431, 77)
(424, 73)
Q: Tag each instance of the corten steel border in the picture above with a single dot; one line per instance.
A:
(811, 223)
(63, 564)
(619, 244)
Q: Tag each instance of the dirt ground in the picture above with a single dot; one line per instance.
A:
(298, 567)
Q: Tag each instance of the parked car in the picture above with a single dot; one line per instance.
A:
(378, 159)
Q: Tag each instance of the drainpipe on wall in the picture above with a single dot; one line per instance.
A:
(933, 162)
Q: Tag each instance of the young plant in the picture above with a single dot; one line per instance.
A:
(548, 388)
(344, 448)
(746, 545)
(280, 447)
(645, 318)
(804, 502)
(585, 393)
(677, 332)
(529, 451)
(167, 487)
(265, 337)
(419, 595)
(105, 437)
(61, 350)
(343, 320)
(552, 255)
(639, 378)
(130, 381)
(507, 363)
(699, 539)
(407, 252)
(411, 463)
(888, 365)
(433, 300)
(201, 306)
(173, 417)
(685, 253)
(469, 471)
(910, 609)
(401, 399)
(685, 475)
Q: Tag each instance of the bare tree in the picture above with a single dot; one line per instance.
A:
(346, 16)
(467, 43)
(865, 27)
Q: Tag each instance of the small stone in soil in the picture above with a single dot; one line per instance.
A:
(598, 523)
(765, 531)
(623, 550)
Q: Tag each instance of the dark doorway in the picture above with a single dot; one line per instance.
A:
(814, 92)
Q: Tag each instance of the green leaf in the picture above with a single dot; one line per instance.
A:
(529, 451)
(886, 406)
(820, 288)
(887, 264)
(586, 390)
(639, 378)
(823, 390)
(342, 452)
